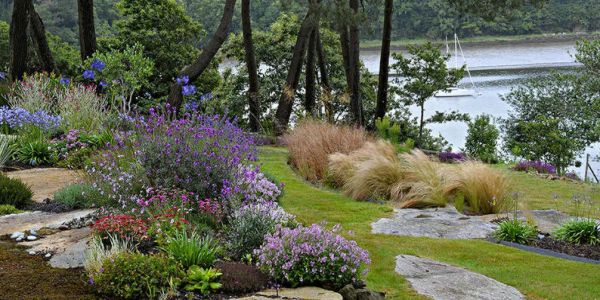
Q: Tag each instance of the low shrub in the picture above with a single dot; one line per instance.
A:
(240, 278)
(134, 275)
(250, 224)
(535, 166)
(312, 256)
(482, 139)
(14, 192)
(485, 191)
(579, 231)
(98, 252)
(515, 231)
(78, 196)
(202, 280)
(256, 186)
(7, 209)
(311, 142)
(451, 157)
(36, 152)
(189, 249)
(6, 151)
(125, 227)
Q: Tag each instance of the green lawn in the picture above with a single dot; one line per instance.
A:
(538, 277)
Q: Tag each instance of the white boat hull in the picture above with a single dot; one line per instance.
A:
(456, 92)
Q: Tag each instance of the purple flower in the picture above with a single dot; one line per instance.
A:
(183, 80)
(535, 166)
(2, 75)
(450, 157)
(89, 74)
(65, 80)
(102, 83)
(18, 118)
(98, 65)
(188, 90)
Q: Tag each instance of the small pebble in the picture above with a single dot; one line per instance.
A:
(541, 236)
(31, 238)
(33, 231)
(63, 227)
(48, 255)
(31, 252)
(19, 239)
(17, 235)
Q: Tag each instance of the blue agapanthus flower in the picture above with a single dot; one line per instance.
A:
(98, 65)
(188, 90)
(65, 80)
(183, 80)
(102, 83)
(2, 75)
(89, 74)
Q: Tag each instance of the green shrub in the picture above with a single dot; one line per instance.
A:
(202, 280)
(579, 231)
(35, 152)
(78, 196)
(134, 276)
(6, 151)
(515, 231)
(7, 209)
(14, 192)
(191, 249)
(482, 138)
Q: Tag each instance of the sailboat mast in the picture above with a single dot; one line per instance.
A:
(456, 50)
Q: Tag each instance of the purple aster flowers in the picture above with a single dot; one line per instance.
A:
(535, 166)
(98, 65)
(89, 74)
(183, 80)
(188, 90)
(65, 80)
(451, 157)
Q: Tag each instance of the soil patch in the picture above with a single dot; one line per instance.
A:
(44, 182)
(549, 243)
(25, 276)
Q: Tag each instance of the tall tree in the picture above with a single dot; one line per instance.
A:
(18, 39)
(327, 95)
(38, 33)
(87, 32)
(356, 107)
(311, 74)
(253, 97)
(286, 101)
(384, 64)
(196, 69)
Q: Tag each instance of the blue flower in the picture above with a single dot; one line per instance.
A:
(89, 74)
(207, 96)
(65, 80)
(102, 83)
(98, 65)
(183, 80)
(2, 75)
(189, 90)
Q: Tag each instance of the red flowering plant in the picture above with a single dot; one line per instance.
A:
(127, 227)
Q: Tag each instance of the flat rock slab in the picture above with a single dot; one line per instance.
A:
(44, 182)
(445, 282)
(546, 220)
(444, 222)
(303, 293)
(37, 219)
(67, 247)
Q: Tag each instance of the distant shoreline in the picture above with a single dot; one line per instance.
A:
(375, 45)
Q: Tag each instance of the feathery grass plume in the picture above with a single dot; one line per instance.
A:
(311, 142)
(341, 166)
(97, 252)
(374, 178)
(486, 191)
(425, 184)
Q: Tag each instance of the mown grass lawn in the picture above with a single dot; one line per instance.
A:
(537, 276)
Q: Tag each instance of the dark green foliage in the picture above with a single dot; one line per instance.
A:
(135, 276)
(14, 192)
(482, 138)
(36, 152)
(579, 231)
(202, 280)
(240, 278)
(78, 196)
(191, 249)
(7, 209)
(515, 231)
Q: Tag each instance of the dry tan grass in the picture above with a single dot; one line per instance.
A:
(343, 166)
(311, 142)
(485, 190)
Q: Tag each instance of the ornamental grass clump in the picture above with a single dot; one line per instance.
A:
(312, 256)
(485, 190)
(579, 231)
(515, 231)
(196, 153)
(311, 142)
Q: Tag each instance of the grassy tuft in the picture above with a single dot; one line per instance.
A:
(485, 190)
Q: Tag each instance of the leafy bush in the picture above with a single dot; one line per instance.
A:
(38, 92)
(239, 278)
(14, 192)
(485, 190)
(78, 196)
(202, 280)
(579, 231)
(515, 231)
(6, 152)
(388, 130)
(126, 227)
(190, 249)
(7, 209)
(535, 166)
(81, 108)
(482, 139)
(312, 256)
(311, 142)
(251, 223)
(134, 275)
(37, 152)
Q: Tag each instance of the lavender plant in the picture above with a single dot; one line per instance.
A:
(312, 256)
(535, 166)
(256, 186)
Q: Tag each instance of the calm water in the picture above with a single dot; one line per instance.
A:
(494, 82)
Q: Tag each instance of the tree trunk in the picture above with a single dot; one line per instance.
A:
(87, 31)
(345, 44)
(286, 101)
(18, 39)
(253, 97)
(354, 55)
(384, 63)
(311, 78)
(39, 39)
(421, 125)
(327, 98)
(196, 69)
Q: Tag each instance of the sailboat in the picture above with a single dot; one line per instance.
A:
(456, 91)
